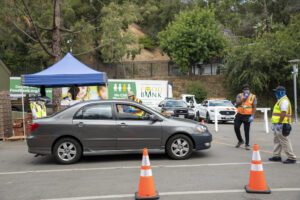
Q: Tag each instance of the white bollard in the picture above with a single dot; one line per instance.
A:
(216, 120)
(265, 111)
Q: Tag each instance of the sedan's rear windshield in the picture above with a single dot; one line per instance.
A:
(177, 104)
(220, 103)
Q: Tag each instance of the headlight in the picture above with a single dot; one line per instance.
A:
(170, 112)
(201, 128)
(212, 110)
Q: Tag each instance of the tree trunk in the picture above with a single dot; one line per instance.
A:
(266, 16)
(56, 49)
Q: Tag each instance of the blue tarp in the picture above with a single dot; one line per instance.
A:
(67, 72)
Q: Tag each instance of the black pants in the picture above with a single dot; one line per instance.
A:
(239, 119)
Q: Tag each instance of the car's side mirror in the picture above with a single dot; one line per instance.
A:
(160, 105)
(154, 118)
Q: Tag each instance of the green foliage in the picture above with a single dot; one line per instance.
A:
(193, 36)
(115, 38)
(263, 63)
(198, 90)
(147, 43)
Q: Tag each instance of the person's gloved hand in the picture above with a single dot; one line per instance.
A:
(251, 119)
(245, 97)
(278, 127)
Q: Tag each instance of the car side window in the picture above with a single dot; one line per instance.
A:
(95, 112)
(130, 112)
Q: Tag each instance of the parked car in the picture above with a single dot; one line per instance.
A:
(95, 127)
(176, 108)
(225, 110)
(191, 101)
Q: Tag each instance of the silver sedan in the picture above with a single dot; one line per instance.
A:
(95, 127)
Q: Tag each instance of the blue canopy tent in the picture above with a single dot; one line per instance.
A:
(67, 72)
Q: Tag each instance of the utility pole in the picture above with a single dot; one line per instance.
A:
(295, 74)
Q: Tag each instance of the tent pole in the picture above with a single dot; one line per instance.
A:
(106, 90)
(23, 114)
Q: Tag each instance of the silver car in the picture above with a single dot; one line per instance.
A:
(95, 127)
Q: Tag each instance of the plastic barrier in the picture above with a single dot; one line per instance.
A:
(263, 110)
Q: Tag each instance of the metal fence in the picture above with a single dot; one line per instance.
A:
(138, 69)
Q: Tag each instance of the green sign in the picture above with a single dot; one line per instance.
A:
(16, 88)
(120, 89)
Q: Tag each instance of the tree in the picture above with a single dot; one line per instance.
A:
(194, 36)
(116, 40)
(263, 62)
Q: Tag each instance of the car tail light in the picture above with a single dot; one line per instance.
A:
(33, 126)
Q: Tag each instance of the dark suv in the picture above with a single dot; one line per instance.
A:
(176, 108)
(95, 127)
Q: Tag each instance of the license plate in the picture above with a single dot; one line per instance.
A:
(181, 116)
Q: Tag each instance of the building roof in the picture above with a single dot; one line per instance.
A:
(2, 65)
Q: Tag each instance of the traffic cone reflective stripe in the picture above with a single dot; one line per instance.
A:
(146, 184)
(256, 156)
(257, 181)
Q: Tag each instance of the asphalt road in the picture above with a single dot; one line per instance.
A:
(218, 173)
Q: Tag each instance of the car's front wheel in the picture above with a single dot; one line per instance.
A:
(67, 151)
(179, 147)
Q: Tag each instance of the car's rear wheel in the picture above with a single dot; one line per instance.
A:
(179, 147)
(67, 151)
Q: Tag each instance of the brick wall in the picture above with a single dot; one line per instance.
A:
(5, 115)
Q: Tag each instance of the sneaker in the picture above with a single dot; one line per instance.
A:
(247, 147)
(289, 161)
(239, 144)
(275, 159)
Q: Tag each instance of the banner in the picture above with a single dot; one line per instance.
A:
(16, 88)
(152, 92)
(71, 95)
(120, 89)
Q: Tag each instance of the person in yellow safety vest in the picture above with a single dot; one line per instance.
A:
(132, 97)
(246, 106)
(281, 126)
(38, 109)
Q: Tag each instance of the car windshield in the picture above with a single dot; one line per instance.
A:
(178, 104)
(220, 103)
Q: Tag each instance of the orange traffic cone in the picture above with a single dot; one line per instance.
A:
(257, 181)
(146, 184)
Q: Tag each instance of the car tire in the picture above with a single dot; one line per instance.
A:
(67, 151)
(179, 147)
(208, 120)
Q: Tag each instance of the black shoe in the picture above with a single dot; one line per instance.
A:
(247, 147)
(289, 161)
(239, 144)
(275, 159)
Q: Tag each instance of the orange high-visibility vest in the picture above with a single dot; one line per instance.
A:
(246, 108)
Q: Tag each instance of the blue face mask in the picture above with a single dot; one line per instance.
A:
(279, 94)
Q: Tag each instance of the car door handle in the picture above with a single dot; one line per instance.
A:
(123, 125)
(80, 124)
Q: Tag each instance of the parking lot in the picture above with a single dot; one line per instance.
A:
(218, 173)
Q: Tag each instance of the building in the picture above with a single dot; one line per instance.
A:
(5, 105)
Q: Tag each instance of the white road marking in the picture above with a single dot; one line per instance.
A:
(129, 167)
(173, 194)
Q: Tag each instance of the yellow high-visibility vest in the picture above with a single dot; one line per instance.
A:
(277, 112)
(38, 109)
